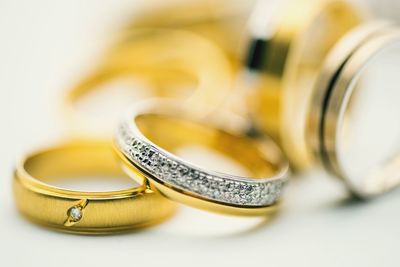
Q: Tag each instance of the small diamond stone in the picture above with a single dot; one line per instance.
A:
(75, 213)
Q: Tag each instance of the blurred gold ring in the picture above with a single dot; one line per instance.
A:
(223, 22)
(305, 32)
(83, 212)
(171, 56)
(147, 137)
(332, 94)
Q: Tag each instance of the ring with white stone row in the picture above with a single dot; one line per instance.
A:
(147, 140)
(83, 212)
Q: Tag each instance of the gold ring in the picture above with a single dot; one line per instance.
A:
(168, 59)
(289, 65)
(223, 22)
(150, 135)
(332, 97)
(83, 212)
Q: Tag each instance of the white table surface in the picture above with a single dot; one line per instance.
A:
(44, 46)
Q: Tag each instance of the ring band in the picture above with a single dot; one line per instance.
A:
(332, 67)
(289, 65)
(222, 22)
(339, 74)
(83, 212)
(185, 182)
(173, 63)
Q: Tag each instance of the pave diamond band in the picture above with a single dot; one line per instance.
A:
(165, 168)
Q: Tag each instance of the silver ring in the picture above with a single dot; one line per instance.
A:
(332, 92)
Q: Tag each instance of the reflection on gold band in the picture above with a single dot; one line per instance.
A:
(168, 59)
(224, 22)
(83, 212)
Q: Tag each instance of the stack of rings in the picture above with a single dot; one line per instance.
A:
(287, 63)
(308, 88)
(161, 176)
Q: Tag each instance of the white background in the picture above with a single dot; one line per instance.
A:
(44, 46)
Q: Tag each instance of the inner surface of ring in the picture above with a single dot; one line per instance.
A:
(79, 161)
(369, 135)
(173, 134)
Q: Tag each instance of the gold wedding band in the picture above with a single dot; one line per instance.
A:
(83, 212)
(223, 22)
(150, 135)
(167, 58)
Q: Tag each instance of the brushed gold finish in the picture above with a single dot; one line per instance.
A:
(102, 212)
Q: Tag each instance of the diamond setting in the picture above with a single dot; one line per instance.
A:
(218, 187)
(75, 213)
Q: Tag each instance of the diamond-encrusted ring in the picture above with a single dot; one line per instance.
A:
(77, 211)
(191, 184)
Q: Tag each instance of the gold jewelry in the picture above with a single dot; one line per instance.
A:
(148, 137)
(289, 63)
(224, 22)
(167, 58)
(332, 96)
(83, 212)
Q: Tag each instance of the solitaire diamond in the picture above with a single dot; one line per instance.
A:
(75, 213)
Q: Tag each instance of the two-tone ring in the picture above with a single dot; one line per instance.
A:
(146, 142)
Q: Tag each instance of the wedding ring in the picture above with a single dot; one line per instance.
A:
(174, 63)
(284, 60)
(223, 22)
(150, 135)
(83, 212)
(340, 83)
